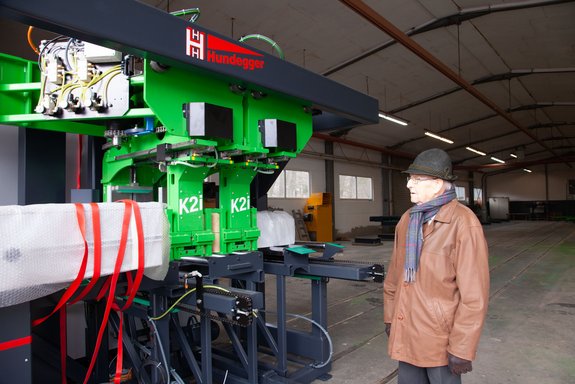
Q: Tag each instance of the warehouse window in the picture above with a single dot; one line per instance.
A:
(355, 187)
(290, 184)
(478, 196)
(460, 191)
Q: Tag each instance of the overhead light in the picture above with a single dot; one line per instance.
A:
(392, 118)
(513, 155)
(498, 160)
(476, 151)
(427, 133)
(527, 170)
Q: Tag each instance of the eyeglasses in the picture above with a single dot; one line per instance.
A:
(416, 181)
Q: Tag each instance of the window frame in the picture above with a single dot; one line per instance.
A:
(355, 194)
(283, 176)
(460, 188)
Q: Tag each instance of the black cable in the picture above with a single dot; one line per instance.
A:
(46, 46)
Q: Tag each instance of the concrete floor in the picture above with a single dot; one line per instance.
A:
(529, 336)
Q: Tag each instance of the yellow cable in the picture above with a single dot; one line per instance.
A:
(98, 78)
(105, 87)
(173, 305)
(182, 297)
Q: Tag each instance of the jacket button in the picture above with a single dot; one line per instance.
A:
(400, 317)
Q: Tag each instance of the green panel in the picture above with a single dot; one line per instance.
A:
(15, 96)
(69, 127)
(301, 250)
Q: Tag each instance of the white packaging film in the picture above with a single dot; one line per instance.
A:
(277, 228)
(41, 246)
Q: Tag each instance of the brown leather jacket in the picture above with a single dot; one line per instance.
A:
(444, 309)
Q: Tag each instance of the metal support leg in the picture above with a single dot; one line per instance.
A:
(206, 339)
(252, 340)
(319, 311)
(186, 350)
(281, 325)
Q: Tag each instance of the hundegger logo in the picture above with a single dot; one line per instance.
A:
(212, 49)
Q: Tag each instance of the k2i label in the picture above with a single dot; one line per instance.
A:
(191, 204)
(239, 204)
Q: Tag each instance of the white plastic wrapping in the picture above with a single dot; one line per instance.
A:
(277, 228)
(41, 246)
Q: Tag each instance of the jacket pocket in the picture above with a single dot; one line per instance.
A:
(444, 325)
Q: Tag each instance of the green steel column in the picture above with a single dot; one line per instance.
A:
(190, 227)
(238, 225)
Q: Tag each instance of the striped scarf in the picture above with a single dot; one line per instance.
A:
(418, 215)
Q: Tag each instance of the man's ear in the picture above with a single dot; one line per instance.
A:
(440, 186)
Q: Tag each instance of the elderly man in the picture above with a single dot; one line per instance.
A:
(437, 287)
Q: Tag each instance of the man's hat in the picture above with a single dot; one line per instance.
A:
(433, 162)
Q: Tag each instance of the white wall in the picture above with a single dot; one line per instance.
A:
(558, 180)
(522, 186)
(356, 213)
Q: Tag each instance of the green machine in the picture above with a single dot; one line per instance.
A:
(162, 137)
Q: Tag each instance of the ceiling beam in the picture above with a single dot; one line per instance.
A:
(483, 80)
(383, 24)
(446, 21)
(535, 126)
(461, 125)
(512, 149)
(510, 166)
(486, 117)
(384, 150)
(472, 143)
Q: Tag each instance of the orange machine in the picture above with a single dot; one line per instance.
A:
(319, 217)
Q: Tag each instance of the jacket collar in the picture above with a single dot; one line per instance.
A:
(446, 212)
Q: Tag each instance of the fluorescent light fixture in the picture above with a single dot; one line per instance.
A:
(527, 170)
(392, 118)
(427, 133)
(513, 155)
(498, 160)
(476, 151)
